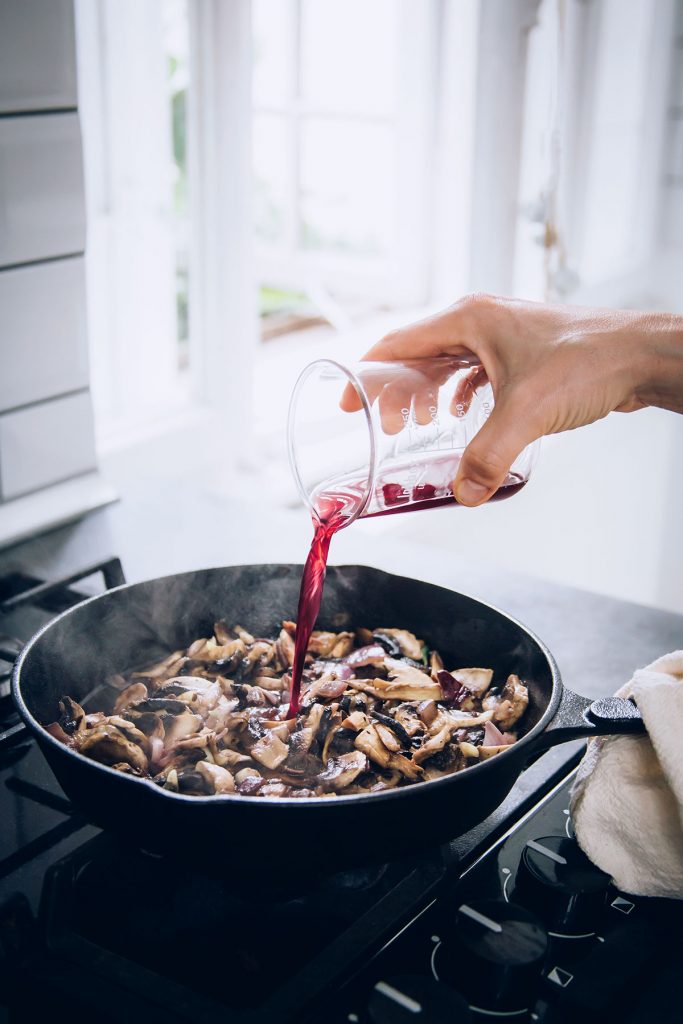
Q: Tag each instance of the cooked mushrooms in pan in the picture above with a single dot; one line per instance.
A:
(379, 710)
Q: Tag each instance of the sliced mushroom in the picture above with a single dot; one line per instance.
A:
(363, 637)
(162, 669)
(227, 758)
(123, 766)
(170, 705)
(210, 651)
(341, 771)
(406, 673)
(385, 689)
(178, 727)
(108, 745)
(72, 717)
(330, 645)
(222, 633)
(389, 781)
(369, 742)
(468, 749)
(302, 739)
(388, 738)
(510, 704)
(400, 734)
(219, 778)
(406, 715)
(409, 769)
(486, 752)
(410, 646)
(436, 665)
(95, 718)
(202, 700)
(219, 716)
(192, 781)
(477, 680)
(343, 646)
(284, 648)
(357, 720)
(270, 750)
(282, 730)
(130, 731)
(432, 745)
(468, 721)
(147, 722)
(276, 683)
(244, 635)
(199, 741)
(131, 694)
(427, 710)
(178, 685)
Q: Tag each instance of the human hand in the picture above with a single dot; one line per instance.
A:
(552, 368)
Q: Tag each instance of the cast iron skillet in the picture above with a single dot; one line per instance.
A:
(133, 625)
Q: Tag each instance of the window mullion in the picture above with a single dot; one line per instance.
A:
(223, 308)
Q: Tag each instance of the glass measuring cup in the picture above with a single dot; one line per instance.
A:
(400, 448)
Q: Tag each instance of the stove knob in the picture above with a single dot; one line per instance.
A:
(414, 998)
(494, 955)
(557, 880)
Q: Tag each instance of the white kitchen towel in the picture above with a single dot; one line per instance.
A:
(627, 800)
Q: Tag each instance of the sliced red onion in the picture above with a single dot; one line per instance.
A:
(343, 672)
(55, 729)
(493, 737)
(453, 691)
(156, 749)
(330, 688)
(370, 655)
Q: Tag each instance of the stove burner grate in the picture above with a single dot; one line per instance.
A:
(21, 593)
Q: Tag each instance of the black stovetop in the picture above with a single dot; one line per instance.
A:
(90, 926)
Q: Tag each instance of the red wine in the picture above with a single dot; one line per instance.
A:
(336, 502)
(310, 596)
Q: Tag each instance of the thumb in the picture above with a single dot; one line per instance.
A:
(487, 459)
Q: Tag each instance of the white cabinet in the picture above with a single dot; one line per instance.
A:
(45, 443)
(37, 55)
(43, 342)
(42, 203)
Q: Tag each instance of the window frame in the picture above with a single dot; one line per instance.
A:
(404, 275)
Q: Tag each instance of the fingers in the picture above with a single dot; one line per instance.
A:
(465, 389)
(487, 459)
(434, 337)
(410, 388)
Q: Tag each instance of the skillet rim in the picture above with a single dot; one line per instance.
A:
(406, 792)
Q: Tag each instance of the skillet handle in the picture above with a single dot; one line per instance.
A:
(578, 717)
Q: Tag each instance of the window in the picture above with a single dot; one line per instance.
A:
(342, 93)
(133, 77)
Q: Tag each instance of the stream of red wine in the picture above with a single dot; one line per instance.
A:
(334, 506)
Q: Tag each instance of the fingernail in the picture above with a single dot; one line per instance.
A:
(470, 493)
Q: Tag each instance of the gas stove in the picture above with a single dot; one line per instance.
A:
(509, 921)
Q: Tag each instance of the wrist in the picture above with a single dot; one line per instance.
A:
(658, 362)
